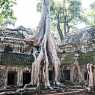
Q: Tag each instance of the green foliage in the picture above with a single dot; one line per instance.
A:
(74, 8)
(69, 14)
(6, 11)
(88, 16)
(68, 11)
(39, 6)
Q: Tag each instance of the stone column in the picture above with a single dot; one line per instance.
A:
(3, 76)
(19, 77)
(6, 76)
(94, 75)
(89, 68)
(72, 73)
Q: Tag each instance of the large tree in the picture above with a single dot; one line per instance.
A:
(47, 54)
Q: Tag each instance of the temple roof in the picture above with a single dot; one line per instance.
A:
(16, 36)
(19, 32)
(82, 36)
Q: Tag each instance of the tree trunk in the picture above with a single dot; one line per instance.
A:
(58, 28)
(47, 53)
(65, 26)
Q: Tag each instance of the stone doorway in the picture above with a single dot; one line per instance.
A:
(66, 74)
(85, 75)
(51, 75)
(12, 78)
(26, 77)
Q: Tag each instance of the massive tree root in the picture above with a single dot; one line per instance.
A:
(47, 53)
(90, 75)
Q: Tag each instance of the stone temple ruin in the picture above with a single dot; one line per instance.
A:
(15, 62)
(82, 46)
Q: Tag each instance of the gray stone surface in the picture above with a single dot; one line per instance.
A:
(84, 35)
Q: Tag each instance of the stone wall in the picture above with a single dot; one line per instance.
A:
(19, 70)
(2, 78)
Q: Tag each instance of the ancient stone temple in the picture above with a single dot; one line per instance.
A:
(82, 46)
(15, 63)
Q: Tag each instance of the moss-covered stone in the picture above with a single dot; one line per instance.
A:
(88, 57)
(84, 58)
(16, 59)
(69, 58)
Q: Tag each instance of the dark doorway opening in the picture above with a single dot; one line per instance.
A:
(12, 78)
(85, 76)
(66, 74)
(8, 49)
(26, 77)
(51, 75)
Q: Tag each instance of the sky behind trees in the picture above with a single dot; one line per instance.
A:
(26, 13)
